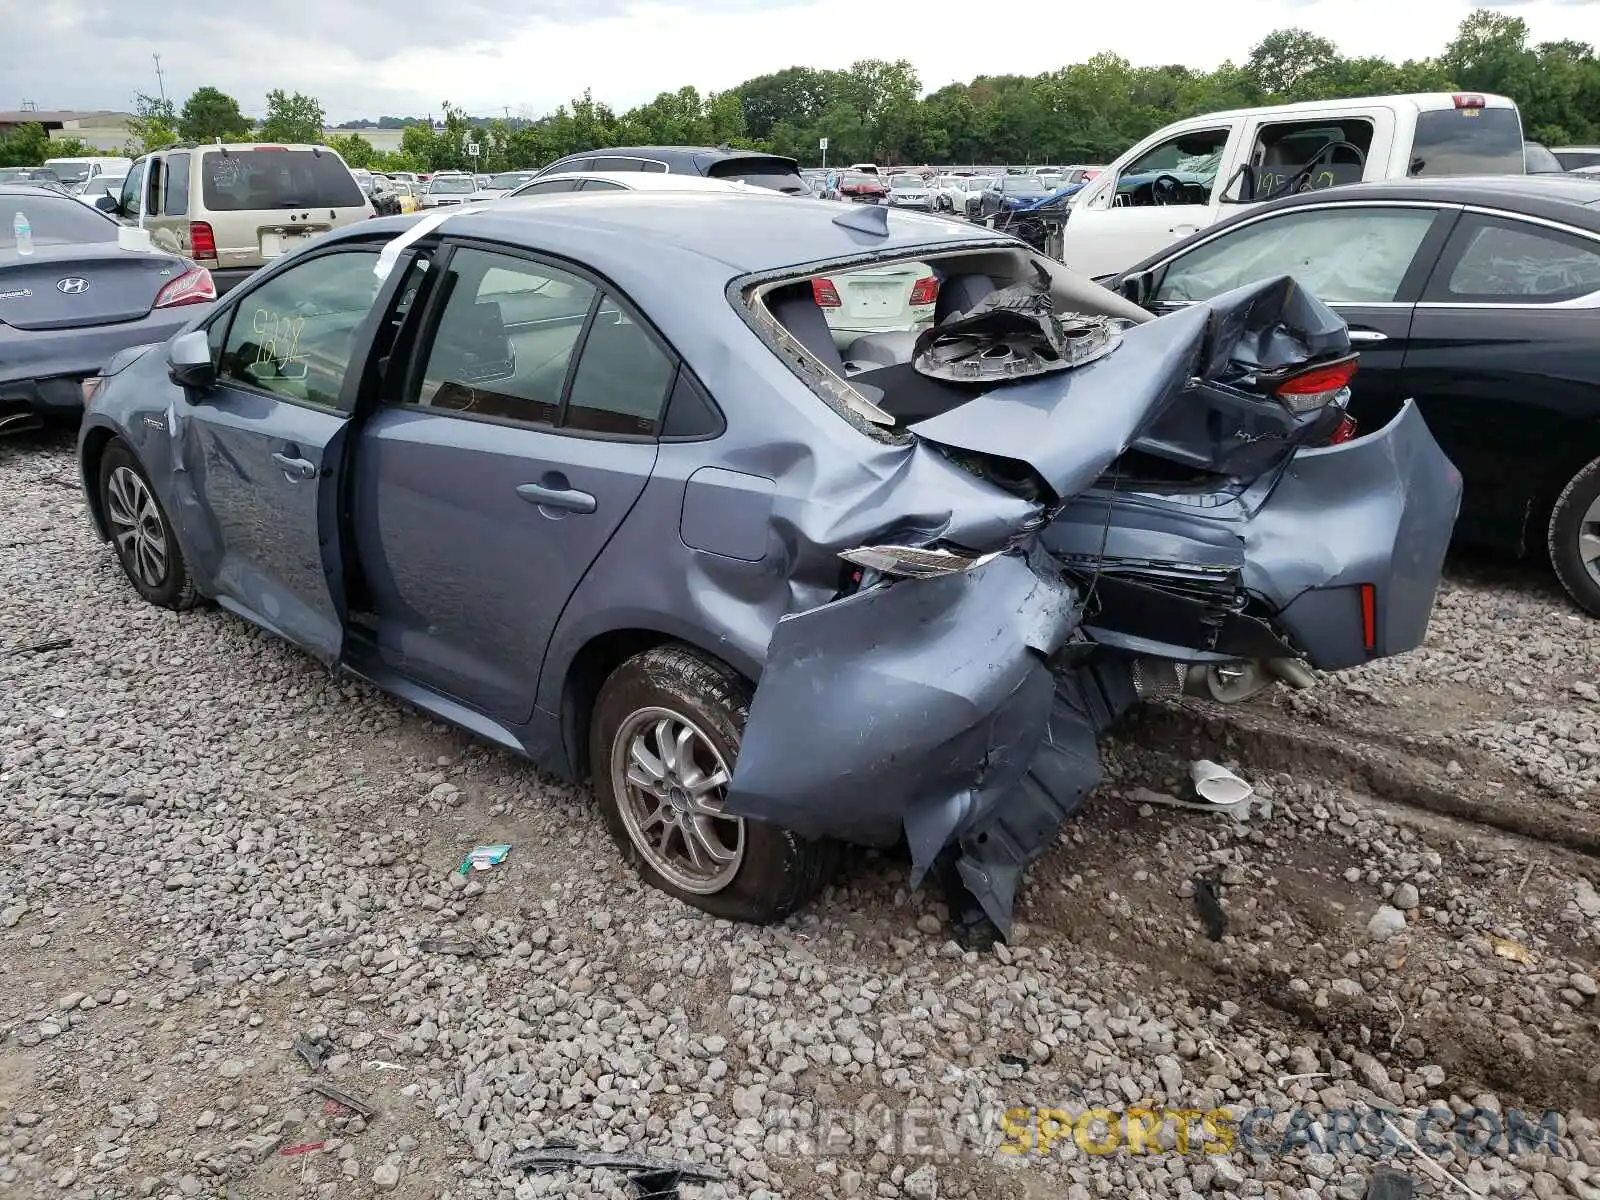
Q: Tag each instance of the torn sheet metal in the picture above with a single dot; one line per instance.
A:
(1071, 426)
(928, 693)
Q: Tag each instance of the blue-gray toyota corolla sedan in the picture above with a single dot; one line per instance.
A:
(595, 478)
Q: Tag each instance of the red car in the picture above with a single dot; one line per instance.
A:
(860, 188)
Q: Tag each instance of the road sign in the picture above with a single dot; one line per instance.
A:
(472, 149)
(822, 143)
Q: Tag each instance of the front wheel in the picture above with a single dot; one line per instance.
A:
(141, 533)
(662, 742)
(1574, 538)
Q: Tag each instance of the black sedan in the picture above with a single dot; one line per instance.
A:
(76, 288)
(1480, 298)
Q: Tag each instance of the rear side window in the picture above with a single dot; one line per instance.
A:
(622, 379)
(618, 164)
(175, 186)
(1571, 160)
(545, 186)
(1512, 262)
(1468, 141)
(251, 180)
(775, 174)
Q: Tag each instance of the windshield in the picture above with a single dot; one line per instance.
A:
(103, 185)
(67, 172)
(251, 180)
(507, 180)
(1572, 160)
(773, 173)
(1468, 141)
(901, 183)
(1024, 185)
(451, 185)
(1540, 161)
(858, 179)
(53, 221)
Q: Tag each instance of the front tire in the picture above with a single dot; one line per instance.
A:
(141, 533)
(662, 740)
(1574, 538)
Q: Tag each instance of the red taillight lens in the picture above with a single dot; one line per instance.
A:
(825, 294)
(1346, 432)
(1467, 100)
(1310, 390)
(925, 291)
(1369, 616)
(202, 242)
(194, 286)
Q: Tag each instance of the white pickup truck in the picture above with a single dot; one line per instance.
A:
(1195, 172)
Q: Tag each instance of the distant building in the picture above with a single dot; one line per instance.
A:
(380, 139)
(102, 129)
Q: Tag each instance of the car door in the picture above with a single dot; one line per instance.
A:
(488, 482)
(265, 463)
(1124, 217)
(1502, 361)
(1365, 261)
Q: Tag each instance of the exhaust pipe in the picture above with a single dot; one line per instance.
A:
(17, 417)
(1231, 683)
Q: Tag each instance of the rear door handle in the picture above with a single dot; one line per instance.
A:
(1367, 335)
(554, 497)
(298, 467)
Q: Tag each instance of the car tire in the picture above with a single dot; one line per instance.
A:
(141, 532)
(703, 704)
(1574, 520)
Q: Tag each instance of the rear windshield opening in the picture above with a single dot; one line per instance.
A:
(774, 174)
(52, 221)
(861, 324)
(252, 180)
(1468, 141)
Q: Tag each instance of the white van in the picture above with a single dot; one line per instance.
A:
(1195, 172)
(75, 171)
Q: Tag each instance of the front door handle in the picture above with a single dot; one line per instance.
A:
(1367, 335)
(557, 497)
(299, 467)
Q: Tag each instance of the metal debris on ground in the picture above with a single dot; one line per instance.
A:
(1390, 1185)
(648, 1178)
(1208, 903)
(339, 1096)
(481, 858)
(465, 947)
(40, 647)
(1142, 795)
(315, 1050)
(302, 1148)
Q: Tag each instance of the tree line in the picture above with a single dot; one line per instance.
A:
(876, 110)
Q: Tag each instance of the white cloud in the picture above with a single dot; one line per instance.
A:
(485, 58)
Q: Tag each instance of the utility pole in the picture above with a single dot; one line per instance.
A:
(161, 78)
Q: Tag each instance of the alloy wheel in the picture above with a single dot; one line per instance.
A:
(672, 785)
(140, 534)
(1589, 539)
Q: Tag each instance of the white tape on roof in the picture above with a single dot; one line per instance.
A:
(391, 252)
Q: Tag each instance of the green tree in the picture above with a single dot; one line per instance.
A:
(211, 115)
(1286, 60)
(354, 149)
(26, 146)
(292, 118)
(154, 124)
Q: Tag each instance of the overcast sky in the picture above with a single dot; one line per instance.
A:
(364, 58)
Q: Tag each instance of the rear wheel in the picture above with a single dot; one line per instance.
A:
(1574, 538)
(141, 533)
(662, 742)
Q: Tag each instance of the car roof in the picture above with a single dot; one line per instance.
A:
(29, 190)
(697, 156)
(651, 181)
(1420, 101)
(752, 232)
(1555, 196)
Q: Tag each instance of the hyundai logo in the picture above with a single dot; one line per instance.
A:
(72, 286)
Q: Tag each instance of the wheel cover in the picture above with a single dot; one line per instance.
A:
(137, 527)
(1589, 539)
(671, 785)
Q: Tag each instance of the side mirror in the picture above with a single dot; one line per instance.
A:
(1138, 286)
(107, 203)
(189, 362)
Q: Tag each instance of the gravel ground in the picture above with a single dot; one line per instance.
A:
(211, 850)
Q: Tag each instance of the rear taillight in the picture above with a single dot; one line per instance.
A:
(1467, 100)
(202, 242)
(1346, 432)
(194, 286)
(1369, 616)
(925, 291)
(1310, 390)
(825, 294)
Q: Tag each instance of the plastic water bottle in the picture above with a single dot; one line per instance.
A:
(23, 233)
